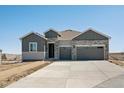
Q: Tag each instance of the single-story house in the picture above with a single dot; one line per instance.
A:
(65, 45)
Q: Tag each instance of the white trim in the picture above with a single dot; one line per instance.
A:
(30, 48)
(65, 45)
(50, 42)
(33, 33)
(93, 31)
(95, 45)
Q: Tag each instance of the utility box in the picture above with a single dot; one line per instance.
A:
(0, 56)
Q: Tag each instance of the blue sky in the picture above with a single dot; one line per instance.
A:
(16, 21)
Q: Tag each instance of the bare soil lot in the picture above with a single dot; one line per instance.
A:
(13, 72)
(7, 66)
(117, 58)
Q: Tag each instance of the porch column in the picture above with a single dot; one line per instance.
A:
(73, 52)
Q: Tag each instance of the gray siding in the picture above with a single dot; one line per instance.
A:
(33, 38)
(90, 35)
(51, 34)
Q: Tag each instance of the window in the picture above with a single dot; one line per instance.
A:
(32, 46)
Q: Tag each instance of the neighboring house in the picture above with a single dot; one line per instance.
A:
(65, 45)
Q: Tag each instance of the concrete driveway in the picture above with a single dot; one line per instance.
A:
(73, 74)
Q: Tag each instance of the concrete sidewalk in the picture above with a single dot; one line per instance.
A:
(73, 74)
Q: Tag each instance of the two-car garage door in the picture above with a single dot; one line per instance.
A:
(82, 53)
(90, 53)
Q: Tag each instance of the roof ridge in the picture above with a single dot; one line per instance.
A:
(51, 29)
(36, 33)
(70, 30)
(101, 33)
(95, 32)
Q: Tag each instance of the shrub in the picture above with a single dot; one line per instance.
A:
(4, 57)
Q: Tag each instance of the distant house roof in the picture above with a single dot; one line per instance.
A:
(32, 33)
(68, 34)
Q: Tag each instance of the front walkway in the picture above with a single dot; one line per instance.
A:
(70, 75)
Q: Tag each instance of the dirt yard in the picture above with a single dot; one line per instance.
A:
(117, 58)
(117, 62)
(13, 72)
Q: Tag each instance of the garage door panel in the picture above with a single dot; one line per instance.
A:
(90, 53)
(65, 53)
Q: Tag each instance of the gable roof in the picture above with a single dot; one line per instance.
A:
(32, 33)
(90, 29)
(68, 34)
(52, 30)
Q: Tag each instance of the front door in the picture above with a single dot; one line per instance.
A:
(51, 50)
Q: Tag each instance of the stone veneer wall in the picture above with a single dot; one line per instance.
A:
(92, 42)
(81, 42)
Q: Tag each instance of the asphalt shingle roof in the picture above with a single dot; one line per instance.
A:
(68, 34)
